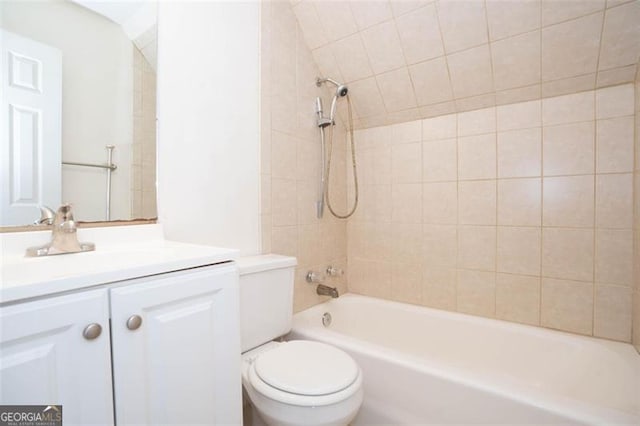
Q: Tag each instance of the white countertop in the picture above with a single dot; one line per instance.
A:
(122, 253)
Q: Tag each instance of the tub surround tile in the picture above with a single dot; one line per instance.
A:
(568, 253)
(476, 293)
(519, 250)
(567, 305)
(518, 298)
(439, 287)
(520, 202)
(612, 315)
(519, 209)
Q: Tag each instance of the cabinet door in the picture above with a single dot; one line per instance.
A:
(182, 364)
(45, 358)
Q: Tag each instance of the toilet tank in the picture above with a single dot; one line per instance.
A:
(266, 298)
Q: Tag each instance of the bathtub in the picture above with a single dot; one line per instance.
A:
(423, 365)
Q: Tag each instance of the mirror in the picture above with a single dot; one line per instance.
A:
(79, 101)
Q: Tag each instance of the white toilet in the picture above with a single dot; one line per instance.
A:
(289, 383)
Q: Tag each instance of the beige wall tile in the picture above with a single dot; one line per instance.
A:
(397, 90)
(407, 243)
(419, 33)
(407, 132)
(284, 240)
(568, 108)
(369, 102)
(519, 202)
(440, 203)
(568, 253)
(614, 145)
(439, 160)
(314, 33)
(568, 201)
(508, 18)
(558, 11)
(571, 48)
(477, 201)
(477, 247)
(617, 101)
(569, 85)
(368, 13)
(614, 201)
(431, 81)
(439, 287)
(406, 282)
(523, 115)
(518, 94)
(516, 61)
(476, 292)
(471, 72)
(284, 201)
(620, 36)
(612, 313)
(519, 250)
(283, 156)
(438, 128)
(351, 57)
(614, 257)
(406, 163)
(440, 245)
(477, 122)
(338, 21)
(520, 153)
(518, 298)
(567, 305)
(477, 157)
(569, 149)
(476, 102)
(406, 203)
(615, 76)
(383, 47)
(463, 24)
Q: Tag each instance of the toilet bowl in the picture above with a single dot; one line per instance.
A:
(289, 383)
(302, 383)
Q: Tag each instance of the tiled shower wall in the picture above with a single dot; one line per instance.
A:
(522, 212)
(636, 223)
(290, 163)
(143, 157)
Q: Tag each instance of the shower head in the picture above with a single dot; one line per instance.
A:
(341, 89)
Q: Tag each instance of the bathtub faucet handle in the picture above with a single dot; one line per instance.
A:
(314, 278)
(334, 272)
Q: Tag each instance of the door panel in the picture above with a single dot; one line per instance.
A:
(31, 109)
(182, 365)
(44, 358)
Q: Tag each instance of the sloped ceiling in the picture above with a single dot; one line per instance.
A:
(405, 60)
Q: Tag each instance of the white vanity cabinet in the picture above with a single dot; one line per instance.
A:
(51, 353)
(176, 348)
(168, 351)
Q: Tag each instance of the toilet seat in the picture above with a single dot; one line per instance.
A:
(305, 373)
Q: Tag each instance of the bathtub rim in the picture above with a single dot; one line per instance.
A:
(558, 404)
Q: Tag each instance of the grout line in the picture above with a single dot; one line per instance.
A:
(541, 203)
(595, 204)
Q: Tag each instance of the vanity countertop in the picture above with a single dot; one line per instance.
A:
(121, 253)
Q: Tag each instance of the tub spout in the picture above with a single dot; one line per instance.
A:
(325, 290)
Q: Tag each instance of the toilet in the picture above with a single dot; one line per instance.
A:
(289, 383)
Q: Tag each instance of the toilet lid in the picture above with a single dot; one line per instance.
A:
(306, 368)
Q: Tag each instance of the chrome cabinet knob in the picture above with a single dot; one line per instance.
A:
(92, 331)
(134, 322)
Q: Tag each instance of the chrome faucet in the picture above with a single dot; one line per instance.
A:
(325, 290)
(64, 237)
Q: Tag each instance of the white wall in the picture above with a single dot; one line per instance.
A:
(208, 123)
(97, 97)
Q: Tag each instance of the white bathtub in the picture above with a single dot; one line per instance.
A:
(428, 366)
